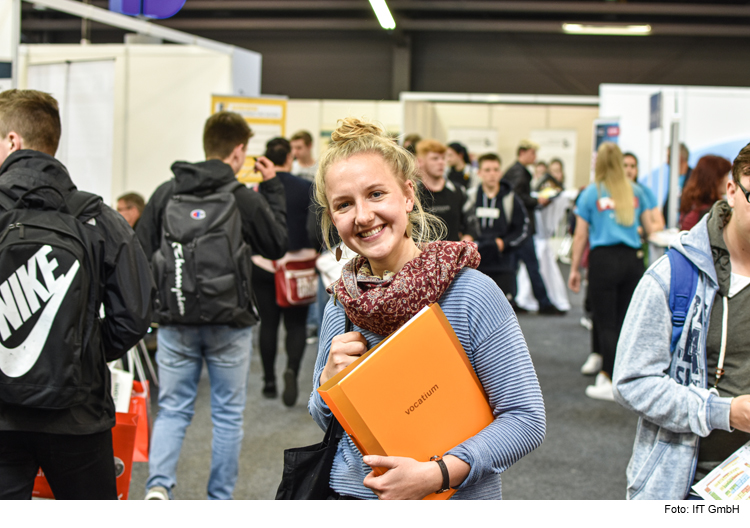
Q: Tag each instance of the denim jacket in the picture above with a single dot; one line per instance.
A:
(669, 392)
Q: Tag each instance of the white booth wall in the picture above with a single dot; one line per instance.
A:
(161, 98)
(712, 120)
(319, 117)
(507, 125)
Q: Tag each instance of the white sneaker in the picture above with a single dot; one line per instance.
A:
(602, 390)
(157, 493)
(586, 323)
(593, 364)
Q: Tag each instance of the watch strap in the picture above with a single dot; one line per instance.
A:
(444, 470)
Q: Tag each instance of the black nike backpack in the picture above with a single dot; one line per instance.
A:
(47, 297)
(202, 268)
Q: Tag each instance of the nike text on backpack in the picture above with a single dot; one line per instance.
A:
(202, 268)
(46, 274)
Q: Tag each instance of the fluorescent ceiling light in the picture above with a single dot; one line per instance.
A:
(383, 13)
(591, 29)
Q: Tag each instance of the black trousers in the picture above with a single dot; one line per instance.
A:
(76, 466)
(614, 272)
(295, 322)
(526, 253)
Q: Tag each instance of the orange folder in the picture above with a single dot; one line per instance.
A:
(413, 395)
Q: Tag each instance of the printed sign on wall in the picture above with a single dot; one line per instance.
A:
(477, 140)
(604, 130)
(266, 117)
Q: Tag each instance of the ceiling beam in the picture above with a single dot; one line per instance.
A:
(332, 24)
(479, 7)
(581, 8)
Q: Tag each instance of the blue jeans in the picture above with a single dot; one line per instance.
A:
(181, 351)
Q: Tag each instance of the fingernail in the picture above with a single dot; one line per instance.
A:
(366, 459)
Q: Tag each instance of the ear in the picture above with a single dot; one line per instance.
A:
(240, 151)
(15, 141)
(732, 191)
(409, 192)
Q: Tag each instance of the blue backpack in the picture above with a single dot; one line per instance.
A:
(682, 287)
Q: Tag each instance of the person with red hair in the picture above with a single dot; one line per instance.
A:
(706, 186)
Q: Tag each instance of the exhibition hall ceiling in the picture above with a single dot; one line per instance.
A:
(335, 49)
(666, 17)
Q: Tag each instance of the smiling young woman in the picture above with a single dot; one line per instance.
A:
(365, 186)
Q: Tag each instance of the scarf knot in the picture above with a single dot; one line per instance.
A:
(384, 305)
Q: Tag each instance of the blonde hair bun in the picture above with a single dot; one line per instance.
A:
(351, 128)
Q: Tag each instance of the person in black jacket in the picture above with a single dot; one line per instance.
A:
(73, 445)
(503, 224)
(519, 178)
(225, 348)
(440, 196)
(298, 204)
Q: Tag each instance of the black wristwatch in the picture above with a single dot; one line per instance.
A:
(444, 470)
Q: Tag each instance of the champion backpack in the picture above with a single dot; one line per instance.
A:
(202, 267)
(46, 296)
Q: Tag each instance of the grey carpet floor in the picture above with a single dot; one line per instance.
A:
(584, 455)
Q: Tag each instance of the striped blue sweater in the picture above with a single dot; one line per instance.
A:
(488, 330)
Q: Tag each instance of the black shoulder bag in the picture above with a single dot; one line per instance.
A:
(307, 470)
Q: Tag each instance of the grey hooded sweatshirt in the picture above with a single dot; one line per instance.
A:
(670, 392)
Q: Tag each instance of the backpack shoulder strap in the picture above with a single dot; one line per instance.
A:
(230, 187)
(83, 205)
(682, 287)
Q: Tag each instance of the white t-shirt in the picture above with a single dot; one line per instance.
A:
(737, 283)
(308, 173)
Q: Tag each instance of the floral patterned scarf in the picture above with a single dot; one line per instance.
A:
(383, 305)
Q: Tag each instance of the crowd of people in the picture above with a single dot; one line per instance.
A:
(374, 232)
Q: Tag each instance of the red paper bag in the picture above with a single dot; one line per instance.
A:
(123, 441)
(140, 404)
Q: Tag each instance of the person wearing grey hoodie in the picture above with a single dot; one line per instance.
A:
(693, 404)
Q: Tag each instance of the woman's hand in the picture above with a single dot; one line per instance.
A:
(407, 479)
(574, 280)
(580, 237)
(345, 348)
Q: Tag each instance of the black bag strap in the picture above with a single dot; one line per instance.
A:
(18, 202)
(84, 205)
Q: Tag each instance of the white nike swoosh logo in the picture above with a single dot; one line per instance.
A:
(17, 361)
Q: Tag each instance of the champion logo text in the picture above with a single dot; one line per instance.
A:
(179, 261)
